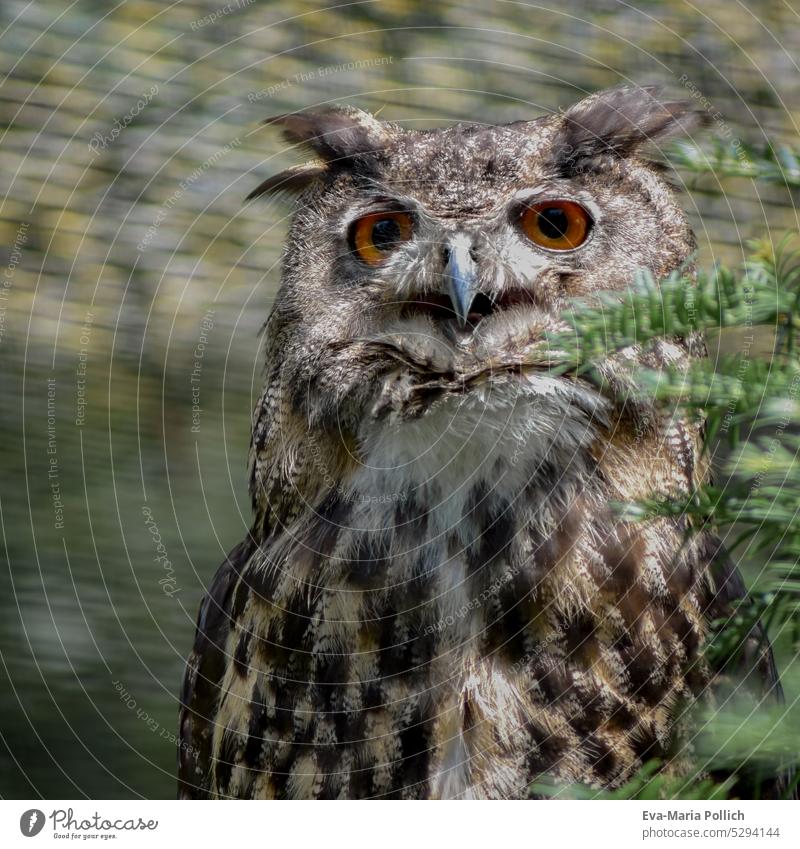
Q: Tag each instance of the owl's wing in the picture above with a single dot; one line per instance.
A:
(204, 671)
(749, 663)
(286, 482)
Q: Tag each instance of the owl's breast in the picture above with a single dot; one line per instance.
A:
(461, 617)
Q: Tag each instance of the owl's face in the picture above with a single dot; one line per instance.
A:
(453, 245)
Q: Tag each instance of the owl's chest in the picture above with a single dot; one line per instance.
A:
(454, 515)
(472, 623)
(469, 663)
(527, 653)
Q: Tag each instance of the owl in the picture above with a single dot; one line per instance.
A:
(436, 598)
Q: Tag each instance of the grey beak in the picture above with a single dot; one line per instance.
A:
(461, 276)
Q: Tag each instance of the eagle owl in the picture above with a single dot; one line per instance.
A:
(435, 599)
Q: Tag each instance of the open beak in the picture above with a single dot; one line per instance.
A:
(461, 276)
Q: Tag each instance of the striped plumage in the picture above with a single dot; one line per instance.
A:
(436, 598)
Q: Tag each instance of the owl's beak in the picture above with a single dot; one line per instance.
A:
(461, 276)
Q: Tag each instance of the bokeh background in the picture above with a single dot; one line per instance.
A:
(130, 136)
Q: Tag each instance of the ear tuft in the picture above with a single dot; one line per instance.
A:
(292, 180)
(618, 122)
(336, 133)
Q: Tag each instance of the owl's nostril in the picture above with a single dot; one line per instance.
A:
(446, 254)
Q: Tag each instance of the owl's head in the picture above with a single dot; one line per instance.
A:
(443, 252)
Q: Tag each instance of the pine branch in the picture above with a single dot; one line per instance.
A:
(758, 509)
(767, 163)
(647, 784)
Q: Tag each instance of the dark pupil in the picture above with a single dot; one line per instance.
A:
(553, 222)
(385, 234)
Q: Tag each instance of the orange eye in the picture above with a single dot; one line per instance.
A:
(560, 225)
(376, 235)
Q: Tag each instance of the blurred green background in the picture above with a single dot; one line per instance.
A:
(130, 137)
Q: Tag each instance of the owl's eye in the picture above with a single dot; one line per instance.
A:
(375, 236)
(560, 225)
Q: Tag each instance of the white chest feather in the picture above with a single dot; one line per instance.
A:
(497, 437)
